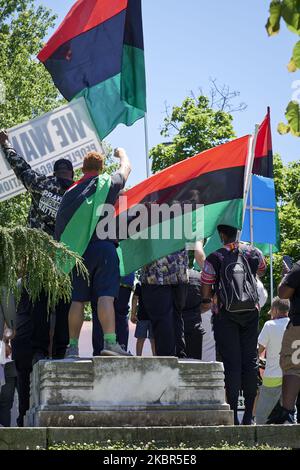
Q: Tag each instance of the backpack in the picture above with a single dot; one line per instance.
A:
(237, 288)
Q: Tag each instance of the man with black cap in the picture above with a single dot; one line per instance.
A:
(33, 322)
(46, 191)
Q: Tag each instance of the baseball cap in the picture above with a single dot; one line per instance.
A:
(63, 164)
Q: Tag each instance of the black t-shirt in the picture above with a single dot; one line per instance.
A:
(117, 184)
(292, 279)
(141, 311)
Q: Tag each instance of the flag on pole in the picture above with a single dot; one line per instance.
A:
(98, 53)
(261, 212)
(213, 179)
(265, 219)
(263, 161)
(207, 190)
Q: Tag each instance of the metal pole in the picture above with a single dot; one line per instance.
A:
(248, 172)
(251, 212)
(147, 145)
(271, 274)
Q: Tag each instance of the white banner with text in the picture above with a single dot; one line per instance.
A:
(67, 132)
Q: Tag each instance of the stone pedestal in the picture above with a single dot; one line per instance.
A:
(128, 391)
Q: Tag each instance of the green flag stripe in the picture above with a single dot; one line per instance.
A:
(135, 253)
(133, 82)
(82, 225)
(121, 98)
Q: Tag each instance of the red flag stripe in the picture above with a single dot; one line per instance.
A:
(83, 16)
(264, 138)
(229, 155)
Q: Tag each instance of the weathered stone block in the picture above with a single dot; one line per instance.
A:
(128, 391)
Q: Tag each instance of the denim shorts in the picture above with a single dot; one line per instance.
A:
(144, 329)
(102, 262)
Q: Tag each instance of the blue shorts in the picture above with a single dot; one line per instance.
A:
(102, 263)
(144, 329)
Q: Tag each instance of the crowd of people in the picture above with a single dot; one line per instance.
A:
(208, 313)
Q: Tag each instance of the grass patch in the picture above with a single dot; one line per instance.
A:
(153, 445)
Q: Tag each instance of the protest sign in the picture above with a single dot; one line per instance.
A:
(67, 132)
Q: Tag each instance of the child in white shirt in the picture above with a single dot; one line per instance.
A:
(269, 341)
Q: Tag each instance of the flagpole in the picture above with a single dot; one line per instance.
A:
(271, 274)
(147, 145)
(248, 175)
(251, 212)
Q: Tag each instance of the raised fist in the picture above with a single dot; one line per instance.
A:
(119, 152)
(3, 136)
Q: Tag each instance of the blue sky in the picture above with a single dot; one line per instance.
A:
(188, 42)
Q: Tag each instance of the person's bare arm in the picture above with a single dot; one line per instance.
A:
(205, 308)
(261, 350)
(4, 140)
(199, 253)
(8, 309)
(125, 165)
(206, 294)
(134, 304)
(206, 291)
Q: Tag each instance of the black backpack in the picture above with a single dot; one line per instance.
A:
(237, 288)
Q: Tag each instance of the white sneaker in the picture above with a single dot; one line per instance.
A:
(114, 350)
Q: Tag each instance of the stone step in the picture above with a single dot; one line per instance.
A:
(132, 418)
(195, 436)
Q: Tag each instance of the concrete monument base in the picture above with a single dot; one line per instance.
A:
(128, 391)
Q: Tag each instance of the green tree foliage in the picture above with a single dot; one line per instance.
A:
(287, 11)
(29, 90)
(287, 183)
(33, 255)
(15, 211)
(194, 126)
(292, 115)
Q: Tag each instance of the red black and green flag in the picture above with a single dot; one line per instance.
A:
(262, 206)
(98, 52)
(213, 179)
(263, 160)
(210, 184)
